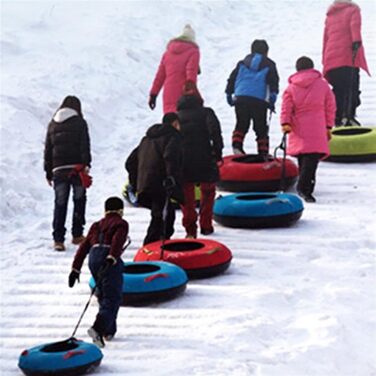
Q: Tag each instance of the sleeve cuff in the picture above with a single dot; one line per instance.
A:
(112, 258)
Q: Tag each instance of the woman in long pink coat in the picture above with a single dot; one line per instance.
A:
(179, 65)
(307, 114)
(343, 55)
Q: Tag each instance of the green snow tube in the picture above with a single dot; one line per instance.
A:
(352, 144)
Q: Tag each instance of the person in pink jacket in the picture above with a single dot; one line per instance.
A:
(179, 65)
(307, 115)
(342, 56)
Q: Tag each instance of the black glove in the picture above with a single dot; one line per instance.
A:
(230, 100)
(152, 101)
(169, 184)
(110, 261)
(73, 277)
(356, 46)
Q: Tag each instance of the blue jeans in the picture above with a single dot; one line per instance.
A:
(62, 186)
(110, 290)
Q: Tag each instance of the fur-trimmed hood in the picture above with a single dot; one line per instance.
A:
(64, 114)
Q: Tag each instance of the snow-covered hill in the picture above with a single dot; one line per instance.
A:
(295, 302)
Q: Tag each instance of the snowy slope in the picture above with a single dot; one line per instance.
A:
(297, 301)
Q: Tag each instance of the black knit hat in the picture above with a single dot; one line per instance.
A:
(304, 62)
(260, 46)
(113, 204)
(169, 118)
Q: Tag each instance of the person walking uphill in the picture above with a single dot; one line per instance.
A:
(104, 243)
(343, 55)
(202, 148)
(179, 64)
(252, 88)
(307, 115)
(67, 160)
(156, 167)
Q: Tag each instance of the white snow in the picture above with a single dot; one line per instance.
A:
(295, 302)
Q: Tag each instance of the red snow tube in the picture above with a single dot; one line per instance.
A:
(252, 173)
(200, 258)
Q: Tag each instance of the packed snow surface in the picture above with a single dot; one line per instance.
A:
(295, 302)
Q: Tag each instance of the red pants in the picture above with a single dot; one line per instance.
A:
(206, 207)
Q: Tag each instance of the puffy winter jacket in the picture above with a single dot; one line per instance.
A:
(115, 231)
(180, 63)
(202, 140)
(342, 29)
(159, 155)
(67, 141)
(255, 76)
(308, 105)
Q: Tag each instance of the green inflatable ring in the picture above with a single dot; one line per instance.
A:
(352, 144)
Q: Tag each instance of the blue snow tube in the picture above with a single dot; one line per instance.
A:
(150, 282)
(258, 210)
(71, 357)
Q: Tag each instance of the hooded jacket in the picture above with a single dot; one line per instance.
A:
(67, 141)
(308, 105)
(159, 155)
(202, 140)
(180, 63)
(342, 28)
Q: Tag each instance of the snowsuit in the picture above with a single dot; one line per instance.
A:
(67, 144)
(342, 29)
(158, 156)
(253, 80)
(308, 105)
(202, 148)
(179, 64)
(114, 231)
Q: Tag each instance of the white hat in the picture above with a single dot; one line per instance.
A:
(189, 33)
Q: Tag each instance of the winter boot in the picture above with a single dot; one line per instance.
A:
(78, 239)
(237, 148)
(237, 142)
(263, 146)
(96, 337)
(59, 246)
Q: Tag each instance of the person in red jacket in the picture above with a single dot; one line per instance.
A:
(104, 243)
(179, 64)
(342, 56)
(307, 114)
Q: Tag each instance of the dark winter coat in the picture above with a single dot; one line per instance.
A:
(159, 155)
(67, 141)
(115, 231)
(202, 140)
(255, 76)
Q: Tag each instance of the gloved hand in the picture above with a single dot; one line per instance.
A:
(272, 100)
(230, 100)
(73, 277)
(286, 128)
(108, 262)
(152, 101)
(356, 45)
(169, 184)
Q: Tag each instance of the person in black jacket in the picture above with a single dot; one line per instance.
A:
(67, 150)
(253, 87)
(202, 149)
(155, 168)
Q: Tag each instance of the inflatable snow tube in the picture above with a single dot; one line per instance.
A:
(258, 210)
(150, 282)
(71, 357)
(200, 258)
(352, 144)
(131, 197)
(251, 173)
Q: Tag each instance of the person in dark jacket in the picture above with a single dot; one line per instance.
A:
(67, 149)
(104, 243)
(155, 167)
(252, 88)
(202, 149)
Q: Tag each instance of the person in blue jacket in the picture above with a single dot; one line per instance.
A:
(253, 88)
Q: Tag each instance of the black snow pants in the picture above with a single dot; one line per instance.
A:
(307, 172)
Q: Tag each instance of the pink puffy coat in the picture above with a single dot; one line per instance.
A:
(342, 28)
(309, 106)
(180, 63)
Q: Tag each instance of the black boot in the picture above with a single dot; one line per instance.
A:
(263, 146)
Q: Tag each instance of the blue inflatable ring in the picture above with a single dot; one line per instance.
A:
(149, 282)
(258, 210)
(71, 357)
